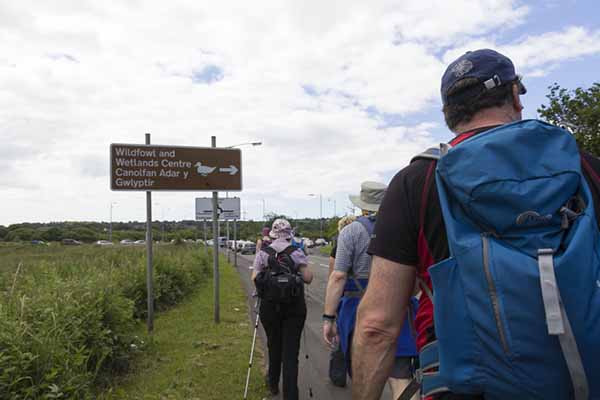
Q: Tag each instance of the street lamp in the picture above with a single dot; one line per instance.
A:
(112, 203)
(334, 206)
(320, 211)
(235, 221)
(244, 144)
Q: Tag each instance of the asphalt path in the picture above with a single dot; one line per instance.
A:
(313, 375)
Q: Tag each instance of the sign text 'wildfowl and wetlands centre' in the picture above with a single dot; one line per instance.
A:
(150, 167)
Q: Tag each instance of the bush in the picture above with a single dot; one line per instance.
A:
(68, 324)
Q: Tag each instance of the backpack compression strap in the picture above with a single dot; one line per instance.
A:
(269, 250)
(288, 250)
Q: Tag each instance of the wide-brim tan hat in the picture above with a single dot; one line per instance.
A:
(370, 197)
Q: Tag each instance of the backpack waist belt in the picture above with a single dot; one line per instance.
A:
(428, 374)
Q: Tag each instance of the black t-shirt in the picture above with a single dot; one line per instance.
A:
(333, 251)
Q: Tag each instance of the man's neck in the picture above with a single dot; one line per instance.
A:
(488, 117)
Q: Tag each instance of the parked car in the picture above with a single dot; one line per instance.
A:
(248, 248)
(240, 243)
(139, 242)
(321, 242)
(126, 242)
(104, 243)
(71, 242)
(38, 242)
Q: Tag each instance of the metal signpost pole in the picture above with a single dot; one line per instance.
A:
(227, 241)
(321, 213)
(149, 274)
(205, 241)
(235, 243)
(215, 199)
(110, 224)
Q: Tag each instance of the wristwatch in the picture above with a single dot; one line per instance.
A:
(330, 318)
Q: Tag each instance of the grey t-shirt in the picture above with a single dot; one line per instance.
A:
(351, 256)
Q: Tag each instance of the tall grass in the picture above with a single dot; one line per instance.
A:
(67, 314)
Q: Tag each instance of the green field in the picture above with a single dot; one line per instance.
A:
(71, 318)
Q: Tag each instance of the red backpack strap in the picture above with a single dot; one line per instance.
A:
(429, 181)
(588, 168)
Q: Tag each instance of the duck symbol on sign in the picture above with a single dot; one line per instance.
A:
(203, 169)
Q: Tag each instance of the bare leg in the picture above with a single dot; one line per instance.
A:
(398, 385)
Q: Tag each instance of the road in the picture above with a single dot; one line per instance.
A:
(313, 376)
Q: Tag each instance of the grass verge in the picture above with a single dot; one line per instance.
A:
(193, 358)
(325, 250)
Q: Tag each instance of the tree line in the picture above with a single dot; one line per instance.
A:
(161, 230)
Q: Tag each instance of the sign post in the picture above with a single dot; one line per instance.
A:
(205, 239)
(227, 241)
(235, 249)
(149, 269)
(135, 167)
(215, 204)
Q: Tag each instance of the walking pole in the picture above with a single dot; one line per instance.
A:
(252, 348)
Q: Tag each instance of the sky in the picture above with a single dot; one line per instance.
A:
(338, 92)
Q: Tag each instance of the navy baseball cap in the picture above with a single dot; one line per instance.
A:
(491, 68)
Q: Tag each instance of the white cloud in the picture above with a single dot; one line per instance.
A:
(78, 75)
(538, 55)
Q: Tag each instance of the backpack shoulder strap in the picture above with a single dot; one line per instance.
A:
(269, 250)
(290, 249)
(432, 153)
(368, 223)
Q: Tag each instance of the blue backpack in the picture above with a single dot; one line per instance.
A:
(517, 304)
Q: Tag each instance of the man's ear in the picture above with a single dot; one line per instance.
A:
(518, 106)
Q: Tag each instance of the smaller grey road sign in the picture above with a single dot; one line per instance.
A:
(229, 208)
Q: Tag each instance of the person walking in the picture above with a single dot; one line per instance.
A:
(348, 281)
(280, 272)
(264, 239)
(499, 227)
(337, 362)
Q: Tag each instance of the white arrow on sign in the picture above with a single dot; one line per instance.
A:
(232, 170)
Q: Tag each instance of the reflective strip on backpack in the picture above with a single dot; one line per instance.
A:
(558, 323)
(425, 288)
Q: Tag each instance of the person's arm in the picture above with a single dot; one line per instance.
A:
(332, 259)
(258, 245)
(257, 265)
(335, 290)
(378, 326)
(307, 275)
(331, 264)
(337, 281)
